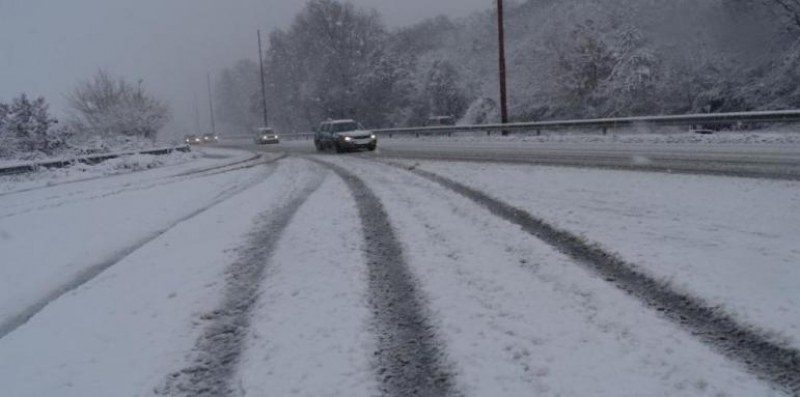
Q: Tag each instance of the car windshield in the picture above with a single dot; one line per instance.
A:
(345, 127)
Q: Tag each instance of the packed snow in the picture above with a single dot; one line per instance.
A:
(514, 315)
(518, 318)
(51, 235)
(730, 241)
(310, 330)
(126, 330)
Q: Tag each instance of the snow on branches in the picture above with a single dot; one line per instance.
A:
(27, 130)
(109, 107)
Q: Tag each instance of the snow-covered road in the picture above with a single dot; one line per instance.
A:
(342, 275)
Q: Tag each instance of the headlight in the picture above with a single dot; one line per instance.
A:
(373, 136)
(347, 139)
(264, 137)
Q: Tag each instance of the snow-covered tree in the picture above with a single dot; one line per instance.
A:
(331, 63)
(27, 129)
(583, 66)
(112, 108)
(566, 59)
(443, 92)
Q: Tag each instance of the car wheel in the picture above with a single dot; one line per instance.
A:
(338, 148)
(371, 148)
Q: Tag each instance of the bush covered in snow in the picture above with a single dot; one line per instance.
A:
(111, 108)
(128, 121)
(28, 131)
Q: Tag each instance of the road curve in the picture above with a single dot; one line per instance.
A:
(771, 161)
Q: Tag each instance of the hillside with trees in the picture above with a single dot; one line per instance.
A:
(566, 59)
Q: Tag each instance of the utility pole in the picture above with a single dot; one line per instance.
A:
(502, 45)
(196, 115)
(211, 106)
(263, 84)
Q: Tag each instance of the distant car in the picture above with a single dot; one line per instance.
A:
(266, 136)
(210, 138)
(342, 135)
(440, 121)
(703, 131)
(192, 140)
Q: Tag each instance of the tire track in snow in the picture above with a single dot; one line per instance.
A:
(184, 177)
(410, 360)
(86, 275)
(215, 358)
(770, 361)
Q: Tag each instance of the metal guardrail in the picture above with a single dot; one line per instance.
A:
(704, 119)
(93, 159)
(288, 136)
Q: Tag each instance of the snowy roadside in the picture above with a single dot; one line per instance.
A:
(54, 237)
(518, 317)
(729, 241)
(204, 157)
(123, 332)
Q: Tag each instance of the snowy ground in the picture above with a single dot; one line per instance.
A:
(732, 241)
(118, 166)
(123, 332)
(512, 316)
(52, 237)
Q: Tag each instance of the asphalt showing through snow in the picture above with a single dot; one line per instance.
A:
(216, 356)
(768, 161)
(409, 358)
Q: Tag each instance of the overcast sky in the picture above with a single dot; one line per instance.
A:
(48, 45)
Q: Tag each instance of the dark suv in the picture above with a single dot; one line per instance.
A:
(342, 135)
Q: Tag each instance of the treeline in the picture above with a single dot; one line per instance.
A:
(566, 59)
(105, 113)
